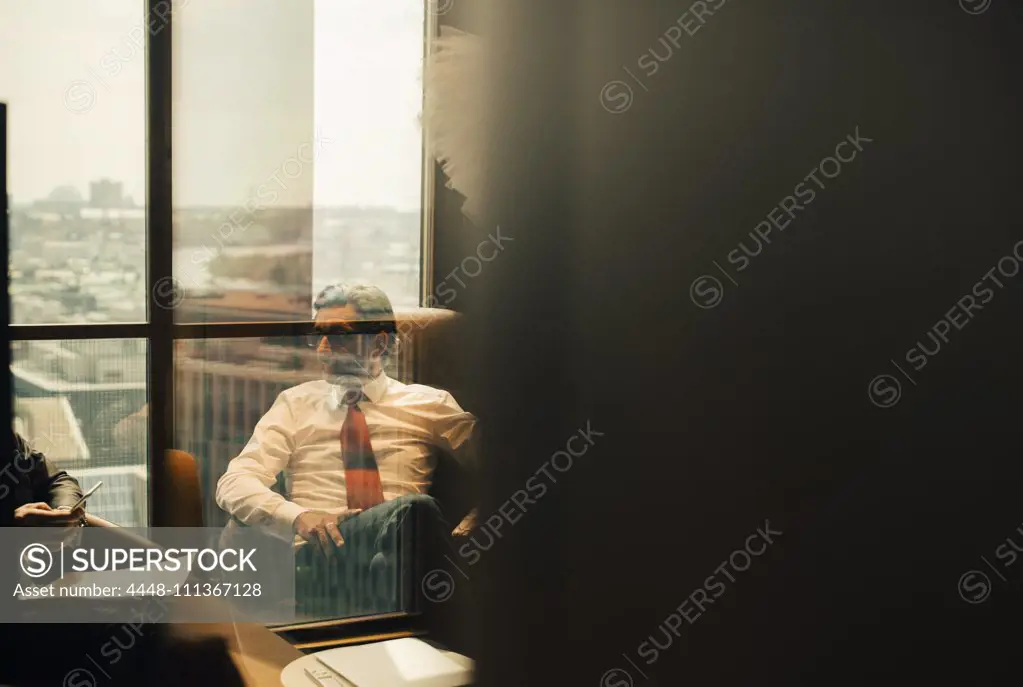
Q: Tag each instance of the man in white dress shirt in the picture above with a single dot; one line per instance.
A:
(357, 448)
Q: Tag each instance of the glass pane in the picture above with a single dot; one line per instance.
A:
(261, 416)
(314, 176)
(369, 182)
(82, 403)
(244, 154)
(223, 388)
(77, 158)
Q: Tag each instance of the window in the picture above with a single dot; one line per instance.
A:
(66, 405)
(324, 184)
(77, 160)
(296, 162)
(76, 184)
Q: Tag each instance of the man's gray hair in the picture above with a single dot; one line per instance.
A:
(369, 301)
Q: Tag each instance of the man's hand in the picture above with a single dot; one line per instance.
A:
(40, 514)
(320, 529)
(466, 526)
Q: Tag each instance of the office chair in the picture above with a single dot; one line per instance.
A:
(181, 493)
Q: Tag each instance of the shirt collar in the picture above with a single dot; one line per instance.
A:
(374, 390)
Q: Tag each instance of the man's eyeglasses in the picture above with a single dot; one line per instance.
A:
(341, 336)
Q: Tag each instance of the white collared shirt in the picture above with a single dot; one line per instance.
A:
(301, 436)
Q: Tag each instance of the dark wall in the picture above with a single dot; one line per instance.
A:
(456, 237)
(765, 409)
(453, 231)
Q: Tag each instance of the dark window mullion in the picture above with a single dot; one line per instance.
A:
(6, 402)
(63, 332)
(159, 256)
(244, 330)
(240, 330)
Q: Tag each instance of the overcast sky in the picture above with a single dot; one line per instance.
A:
(252, 88)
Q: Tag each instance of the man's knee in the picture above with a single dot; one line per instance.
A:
(421, 506)
(420, 501)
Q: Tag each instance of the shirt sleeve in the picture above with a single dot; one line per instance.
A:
(243, 491)
(455, 431)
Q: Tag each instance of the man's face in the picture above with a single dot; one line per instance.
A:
(341, 350)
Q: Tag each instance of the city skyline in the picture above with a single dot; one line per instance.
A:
(139, 203)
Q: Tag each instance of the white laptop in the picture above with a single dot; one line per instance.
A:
(396, 663)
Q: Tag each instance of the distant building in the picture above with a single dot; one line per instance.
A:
(103, 381)
(243, 306)
(106, 194)
(57, 252)
(63, 200)
(50, 426)
(71, 363)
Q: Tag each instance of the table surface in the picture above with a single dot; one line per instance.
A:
(259, 654)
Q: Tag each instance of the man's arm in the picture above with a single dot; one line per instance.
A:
(49, 485)
(458, 436)
(467, 457)
(244, 491)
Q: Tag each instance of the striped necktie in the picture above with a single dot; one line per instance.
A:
(362, 476)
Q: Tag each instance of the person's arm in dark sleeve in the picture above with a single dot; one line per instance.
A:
(49, 485)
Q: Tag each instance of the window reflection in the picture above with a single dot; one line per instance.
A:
(327, 179)
(266, 419)
(82, 404)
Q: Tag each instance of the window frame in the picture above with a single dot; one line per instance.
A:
(161, 332)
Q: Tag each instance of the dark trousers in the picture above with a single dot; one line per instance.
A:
(387, 550)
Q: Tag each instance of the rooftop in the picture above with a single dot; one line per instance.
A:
(50, 426)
